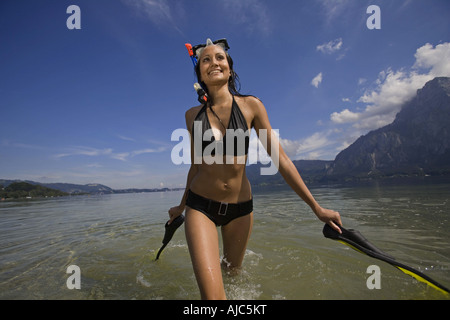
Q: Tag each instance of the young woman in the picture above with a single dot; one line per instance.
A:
(219, 193)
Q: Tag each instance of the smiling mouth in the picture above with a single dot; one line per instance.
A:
(215, 72)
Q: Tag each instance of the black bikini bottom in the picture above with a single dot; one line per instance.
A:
(221, 213)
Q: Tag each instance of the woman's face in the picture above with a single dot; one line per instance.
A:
(214, 67)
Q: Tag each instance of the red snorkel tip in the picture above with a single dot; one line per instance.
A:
(189, 48)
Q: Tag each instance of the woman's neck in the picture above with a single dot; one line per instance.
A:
(220, 95)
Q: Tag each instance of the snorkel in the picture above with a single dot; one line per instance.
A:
(194, 54)
(191, 53)
(202, 96)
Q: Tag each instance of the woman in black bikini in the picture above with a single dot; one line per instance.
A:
(218, 193)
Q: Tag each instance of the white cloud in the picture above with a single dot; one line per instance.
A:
(84, 151)
(394, 88)
(361, 81)
(344, 116)
(148, 150)
(124, 156)
(330, 47)
(252, 14)
(437, 59)
(308, 148)
(333, 8)
(94, 165)
(125, 138)
(93, 152)
(316, 146)
(313, 147)
(8, 143)
(317, 80)
(160, 12)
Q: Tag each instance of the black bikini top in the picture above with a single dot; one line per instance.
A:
(237, 130)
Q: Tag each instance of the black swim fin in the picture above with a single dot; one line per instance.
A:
(356, 240)
(170, 231)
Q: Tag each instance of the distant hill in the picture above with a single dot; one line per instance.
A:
(69, 188)
(93, 188)
(74, 189)
(18, 190)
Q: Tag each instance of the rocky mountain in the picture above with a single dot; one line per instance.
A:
(416, 143)
(311, 171)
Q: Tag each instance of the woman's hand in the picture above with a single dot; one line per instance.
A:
(175, 212)
(330, 217)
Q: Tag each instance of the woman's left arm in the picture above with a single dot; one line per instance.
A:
(287, 169)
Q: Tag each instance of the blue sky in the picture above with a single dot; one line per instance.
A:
(99, 104)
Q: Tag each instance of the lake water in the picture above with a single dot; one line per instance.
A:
(113, 239)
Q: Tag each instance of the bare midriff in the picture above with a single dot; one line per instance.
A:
(222, 182)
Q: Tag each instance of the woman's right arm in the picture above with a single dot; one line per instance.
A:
(177, 210)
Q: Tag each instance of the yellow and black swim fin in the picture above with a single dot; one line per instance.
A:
(356, 240)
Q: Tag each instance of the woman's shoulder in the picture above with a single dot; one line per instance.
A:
(251, 103)
(248, 99)
(192, 113)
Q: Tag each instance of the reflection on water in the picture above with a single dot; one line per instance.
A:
(114, 239)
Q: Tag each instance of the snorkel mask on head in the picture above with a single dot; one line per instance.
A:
(195, 53)
(198, 49)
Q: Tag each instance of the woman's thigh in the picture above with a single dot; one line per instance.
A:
(235, 236)
(203, 242)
